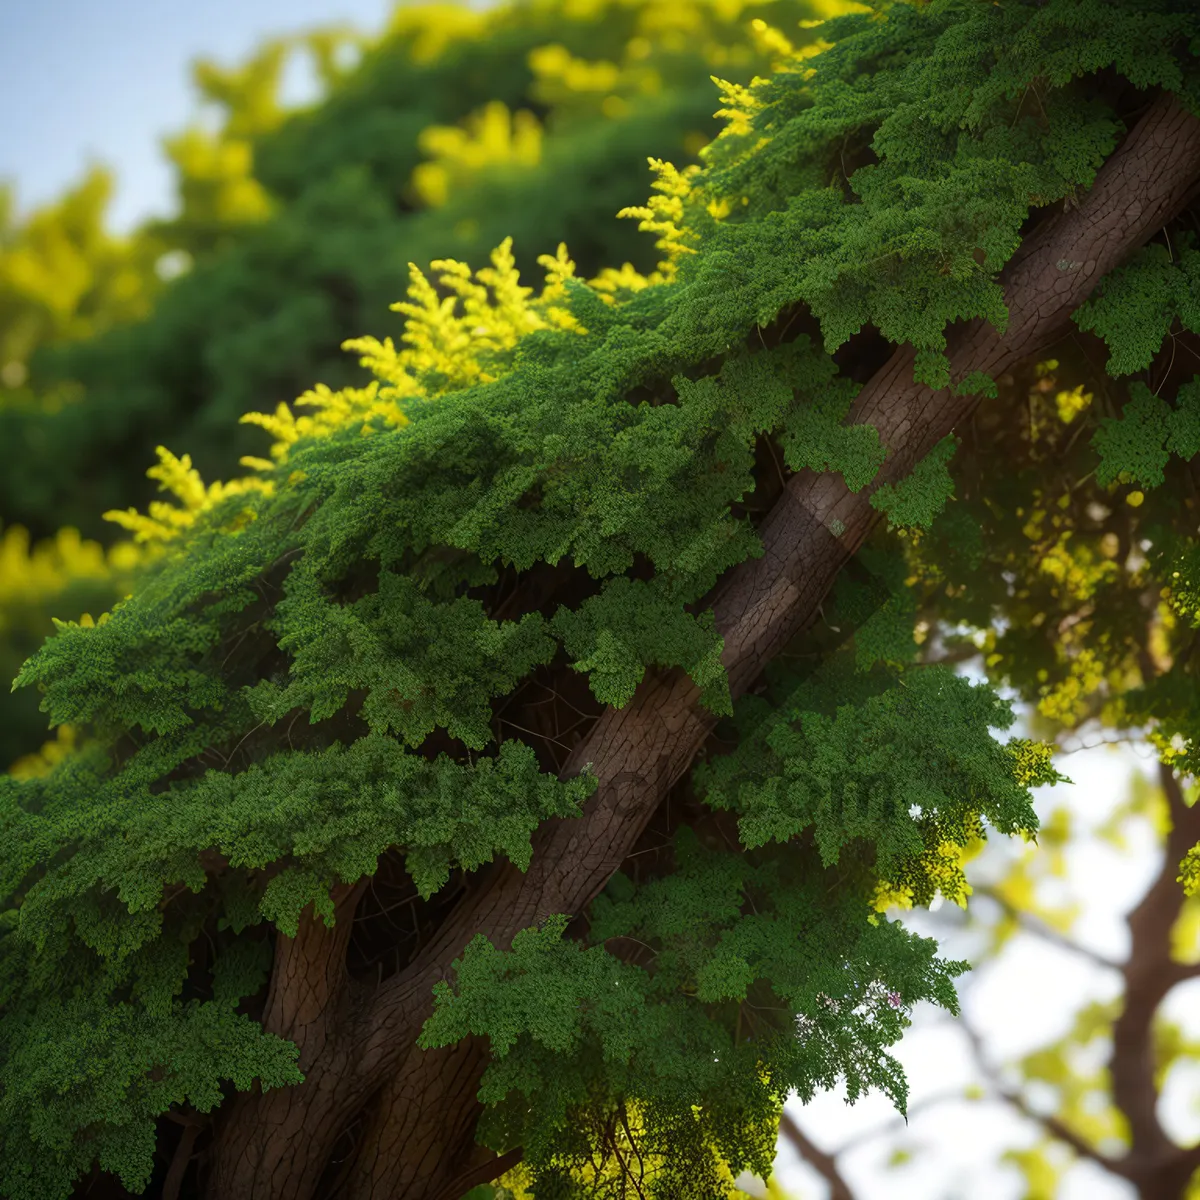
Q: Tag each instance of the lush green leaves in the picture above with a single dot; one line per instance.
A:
(83, 1080)
(642, 1015)
(309, 675)
(1137, 445)
(916, 500)
(858, 763)
(1138, 304)
(631, 623)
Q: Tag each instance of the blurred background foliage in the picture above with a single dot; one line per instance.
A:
(450, 132)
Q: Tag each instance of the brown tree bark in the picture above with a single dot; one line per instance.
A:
(1157, 1167)
(1154, 1164)
(308, 1003)
(422, 1142)
(275, 1146)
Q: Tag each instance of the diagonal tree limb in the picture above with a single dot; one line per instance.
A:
(824, 1164)
(1042, 929)
(473, 1176)
(184, 1153)
(1051, 1124)
(640, 751)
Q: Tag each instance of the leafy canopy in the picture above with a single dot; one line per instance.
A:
(310, 674)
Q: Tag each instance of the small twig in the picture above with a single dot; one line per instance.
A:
(1050, 1123)
(545, 736)
(228, 758)
(1032, 924)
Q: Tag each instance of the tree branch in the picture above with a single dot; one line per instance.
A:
(1149, 974)
(824, 1164)
(192, 1125)
(898, 1122)
(1050, 1123)
(420, 1138)
(485, 1173)
(1041, 929)
(640, 751)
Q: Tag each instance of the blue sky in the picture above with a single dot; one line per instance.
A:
(103, 80)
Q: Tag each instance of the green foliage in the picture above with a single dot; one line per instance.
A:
(422, 665)
(1137, 445)
(819, 441)
(66, 575)
(726, 937)
(538, 489)
(917, 499)
(296, 227)
(614, 635)
(850, 757)
(319, 816)
(901, 191)
(1136, 306)
(63, 276)
(87, 1064)
(879, 607)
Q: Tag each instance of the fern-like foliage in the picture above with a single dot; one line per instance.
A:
(315, 667)
(747, 982)
(1138, 304)
(1136, 446)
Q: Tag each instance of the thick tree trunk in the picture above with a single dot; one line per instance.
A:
(421, 1141)
(274, 1146)
(308, 1003)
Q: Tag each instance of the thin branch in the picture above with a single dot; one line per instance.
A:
(824, 1164)
(1149, 974)
(184, 1153)
(1033, 924)
(1051, 1124)
(1124, 737)
(898, 1122)
(483, 1174)
(1062, 1132)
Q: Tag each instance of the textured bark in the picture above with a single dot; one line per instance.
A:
(421, 1141)
(308, 1003)
(639, 751)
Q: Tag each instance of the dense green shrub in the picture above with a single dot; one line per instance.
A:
(456, 644)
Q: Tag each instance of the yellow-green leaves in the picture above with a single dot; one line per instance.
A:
(177, 476)
(492, 136)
